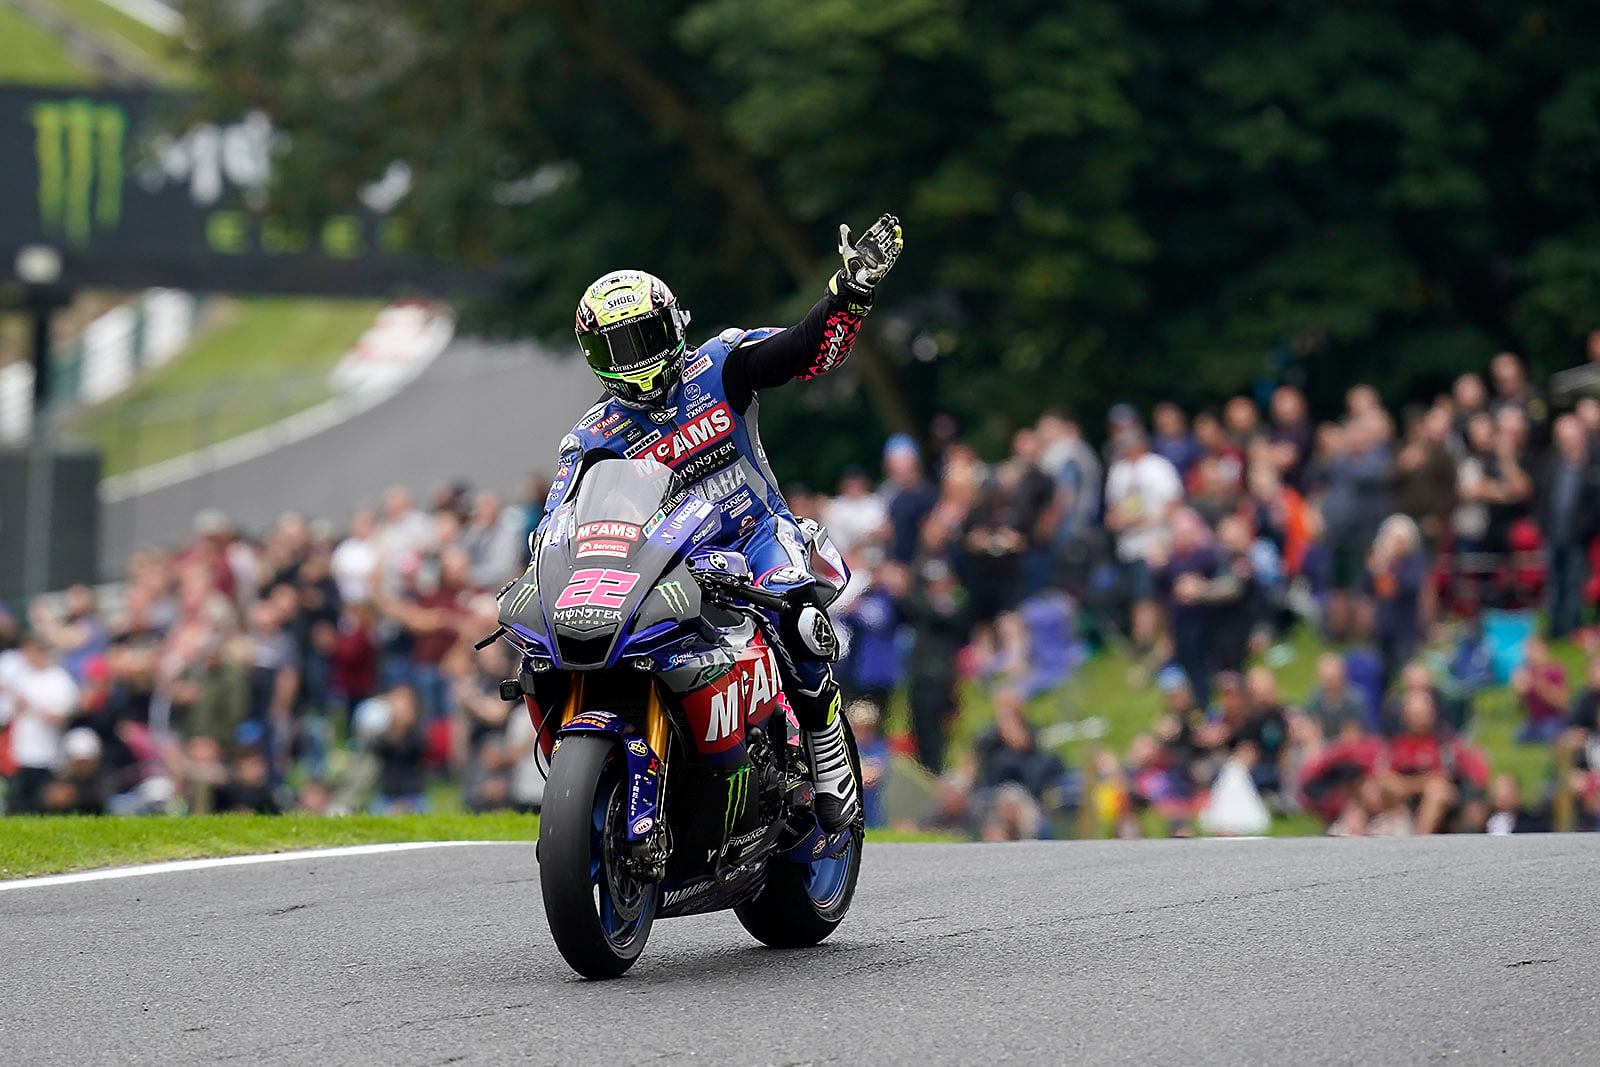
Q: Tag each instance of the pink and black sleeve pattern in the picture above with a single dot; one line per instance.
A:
(817, 344)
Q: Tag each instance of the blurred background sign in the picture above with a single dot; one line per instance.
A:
(133, 193)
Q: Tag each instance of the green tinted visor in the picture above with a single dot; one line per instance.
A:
(628, 345)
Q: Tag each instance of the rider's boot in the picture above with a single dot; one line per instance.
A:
(838, 794)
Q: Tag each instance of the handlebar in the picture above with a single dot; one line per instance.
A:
(724, 588)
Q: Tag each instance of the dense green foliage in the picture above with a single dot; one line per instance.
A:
(1102, 201)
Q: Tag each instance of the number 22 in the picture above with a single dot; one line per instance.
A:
(597, 587)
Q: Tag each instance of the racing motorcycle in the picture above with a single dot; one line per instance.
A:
(677, 781)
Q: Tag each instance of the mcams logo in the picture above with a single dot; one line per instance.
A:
(79, 148)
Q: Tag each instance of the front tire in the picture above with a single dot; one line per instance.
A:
(599, 916)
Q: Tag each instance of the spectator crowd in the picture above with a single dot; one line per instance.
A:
(332, 669)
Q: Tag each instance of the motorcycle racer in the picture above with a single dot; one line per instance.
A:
(696, 411)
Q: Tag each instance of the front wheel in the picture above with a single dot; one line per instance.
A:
(599, 914)
(802, 903)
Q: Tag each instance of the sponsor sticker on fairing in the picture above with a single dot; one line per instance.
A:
(613, 549)
(638, 748)
(748, 839)
(626, 531)
(642, 826)
(688, 892)
(597, 587)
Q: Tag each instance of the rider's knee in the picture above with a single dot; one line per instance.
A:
(814, 636)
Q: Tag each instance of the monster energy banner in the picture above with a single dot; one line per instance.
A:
(131, 197)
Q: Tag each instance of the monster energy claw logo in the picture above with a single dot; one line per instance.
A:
(738, 794)
(519, 599)
(78, 145)
(677, 600)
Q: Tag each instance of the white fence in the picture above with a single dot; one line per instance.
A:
(139, 335)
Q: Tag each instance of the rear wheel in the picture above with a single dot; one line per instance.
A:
(802, 903)
(599, 914)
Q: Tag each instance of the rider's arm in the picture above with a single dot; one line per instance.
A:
(765, 359)
(815, 345)
(565, 478)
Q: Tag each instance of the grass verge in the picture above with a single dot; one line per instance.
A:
(162, 53)
(264, 359)
(54, 844)
(32, 56)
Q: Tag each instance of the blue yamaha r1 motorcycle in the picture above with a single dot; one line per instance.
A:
(677, 781)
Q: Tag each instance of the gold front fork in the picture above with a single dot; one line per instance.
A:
(655, 722)
(574, 699)
(655, 713)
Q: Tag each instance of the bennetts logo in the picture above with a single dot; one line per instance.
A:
(79, 151)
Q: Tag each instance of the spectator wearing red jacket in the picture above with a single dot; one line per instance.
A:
(1543, 691)
(353, 657)
(1433, 772)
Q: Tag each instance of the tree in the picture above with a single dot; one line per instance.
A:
(1102, 201)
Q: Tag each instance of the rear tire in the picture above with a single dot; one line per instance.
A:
(599, 918)
(802, 903)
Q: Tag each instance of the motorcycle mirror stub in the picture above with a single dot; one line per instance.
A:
(511, 690)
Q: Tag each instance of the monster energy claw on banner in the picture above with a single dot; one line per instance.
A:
(132, 195)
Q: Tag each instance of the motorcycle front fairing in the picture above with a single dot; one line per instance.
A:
(607, 581)
(609, 589)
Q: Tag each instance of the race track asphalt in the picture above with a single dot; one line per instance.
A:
(1462, 949)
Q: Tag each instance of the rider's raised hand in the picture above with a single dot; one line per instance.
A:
(868, 259)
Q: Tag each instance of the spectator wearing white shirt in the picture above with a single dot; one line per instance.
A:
(403, 537)
(355, 560)
(40, 698)
(855, 516)
(1142, 492)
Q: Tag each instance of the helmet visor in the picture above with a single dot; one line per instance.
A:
(633, 357)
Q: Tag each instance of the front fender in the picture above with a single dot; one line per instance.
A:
(644, 766)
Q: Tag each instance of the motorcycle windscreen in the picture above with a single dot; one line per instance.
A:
(604, 562)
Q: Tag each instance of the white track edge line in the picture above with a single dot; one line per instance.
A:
(179, 866)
